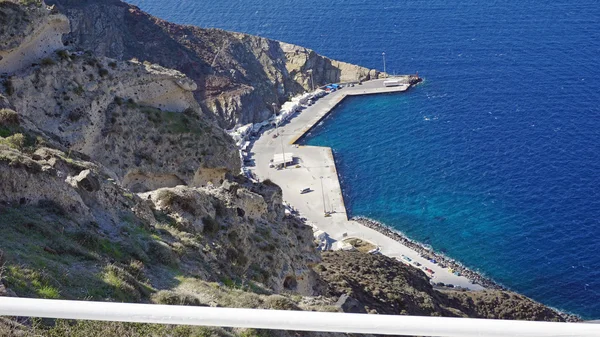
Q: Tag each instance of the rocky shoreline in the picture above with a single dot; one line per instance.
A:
(428, 253)
(443, 260)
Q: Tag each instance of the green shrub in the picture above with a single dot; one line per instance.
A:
(121, 289)
(167, 197)
(279, 302)
(28, 282)
(8, 117)
(81, 328)
(131, 103)
(111, 249)
(269, 182)
(63, 54)
(4, 132)
(235, 257)
(255, 333)
(79, 90)
(211, 226)
(48, 292)
(162, 253)
(8, 86)
(220, 210)
(47, 61)
(102, 72)
(87, 239)
(136, 268)
(126, 287)
(174, 298)
(16, 141)
(37, 3)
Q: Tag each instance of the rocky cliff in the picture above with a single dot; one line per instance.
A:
(382, 285)
(139, 120)
(27, 35)
(239, 76)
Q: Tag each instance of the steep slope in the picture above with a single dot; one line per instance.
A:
(239, 76)
(139, 120)
(28, 35)
(68, 230)
(87, 132)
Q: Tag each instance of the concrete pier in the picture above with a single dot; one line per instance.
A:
(315, 167)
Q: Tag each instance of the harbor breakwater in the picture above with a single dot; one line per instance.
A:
(428, 253)
(442, 260)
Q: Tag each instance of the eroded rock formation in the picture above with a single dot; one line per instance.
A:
(239, 76)
(28, 34)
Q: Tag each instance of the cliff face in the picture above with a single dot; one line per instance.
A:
(28, 35)
(239, 76)
(139, 120)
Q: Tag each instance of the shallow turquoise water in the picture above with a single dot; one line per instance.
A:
(494, 159)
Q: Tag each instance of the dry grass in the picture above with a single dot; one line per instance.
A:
(69, 328)
(360, 245)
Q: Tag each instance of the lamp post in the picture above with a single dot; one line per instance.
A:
(282, 150)
(323, 193)
(279, 135)
(383, 55)
(274, 106)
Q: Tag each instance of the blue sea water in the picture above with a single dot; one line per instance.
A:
(493, 160)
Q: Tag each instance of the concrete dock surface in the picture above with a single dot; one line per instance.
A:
(317, 168)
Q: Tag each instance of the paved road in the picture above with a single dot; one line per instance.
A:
(317, 171)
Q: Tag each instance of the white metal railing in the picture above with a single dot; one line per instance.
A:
(289, 320)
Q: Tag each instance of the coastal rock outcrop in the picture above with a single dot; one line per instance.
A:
(238, 76)
(379, 284)
(302, 63)
(28, 35)
(138, 119)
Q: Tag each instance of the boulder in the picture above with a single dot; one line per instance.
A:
(87, 180)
